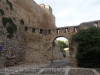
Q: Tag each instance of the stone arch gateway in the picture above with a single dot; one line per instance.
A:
(40, 47)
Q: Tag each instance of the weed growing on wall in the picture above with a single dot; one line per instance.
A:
(10, 5)
(11, 27)
(2, 12)
(6, 20)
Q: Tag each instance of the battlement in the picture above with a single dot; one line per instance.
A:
(66, 30)
(51, 31)
(32, 42)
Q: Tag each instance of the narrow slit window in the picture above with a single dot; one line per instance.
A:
(33, 30)
(66, 30)
(96, 24)
(57, 30)
(41, 31)
(49, 31)
(75, 29)
(26, 28)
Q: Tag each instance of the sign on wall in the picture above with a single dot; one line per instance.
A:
(0, 48)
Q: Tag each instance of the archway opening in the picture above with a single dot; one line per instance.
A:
(60, 48)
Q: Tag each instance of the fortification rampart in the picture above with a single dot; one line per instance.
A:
(33, 34)
(33, 14)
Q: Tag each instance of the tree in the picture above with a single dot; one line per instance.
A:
(88, 50)
(62, 45)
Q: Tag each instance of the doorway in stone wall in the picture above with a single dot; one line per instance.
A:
(60, 49)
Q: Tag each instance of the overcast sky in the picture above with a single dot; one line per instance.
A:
(73, 12)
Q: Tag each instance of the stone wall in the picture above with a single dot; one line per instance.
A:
(32, 42)
(57, 55)
(49, 11)
(11, 48)
(15, 50)
(33, 14)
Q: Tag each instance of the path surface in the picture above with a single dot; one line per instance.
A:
(59, 63)
(58, 67)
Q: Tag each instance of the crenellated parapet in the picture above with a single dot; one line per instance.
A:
(43, 38)
(71, 29)
(68, 29)
(33, 40)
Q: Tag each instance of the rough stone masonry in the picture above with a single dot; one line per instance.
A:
(27, 33)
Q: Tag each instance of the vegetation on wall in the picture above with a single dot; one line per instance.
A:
(6, 20)
(2, 12)
(10, 4)
(88, 51)
(10, 26)
(21, 21)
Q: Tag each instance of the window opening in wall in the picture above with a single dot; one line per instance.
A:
(26, 28)
(33, 29)
(75, 29)
(49, 31)
(41, 31)
(66, 30)
(58, 31)
(96, 24)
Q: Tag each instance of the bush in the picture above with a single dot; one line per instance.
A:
(88, 51)
(6, 20)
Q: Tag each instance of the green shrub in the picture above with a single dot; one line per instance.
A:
(21, 21)
(10, 4)
(11, 27)
(88, 51)
(14, 27)
(6, 20)
(10, 31)
(2, 12)
(62, 45)
(14, 18)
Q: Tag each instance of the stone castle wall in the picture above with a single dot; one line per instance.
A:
(20, 48)
(57, 55)
(11, 48)
(32, 43)
(33, 14)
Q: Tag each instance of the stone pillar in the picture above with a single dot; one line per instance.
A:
(73, 50)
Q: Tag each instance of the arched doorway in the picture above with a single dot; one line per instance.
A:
(60, 48)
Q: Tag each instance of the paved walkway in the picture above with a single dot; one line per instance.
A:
(48, 71)
(56, 68)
